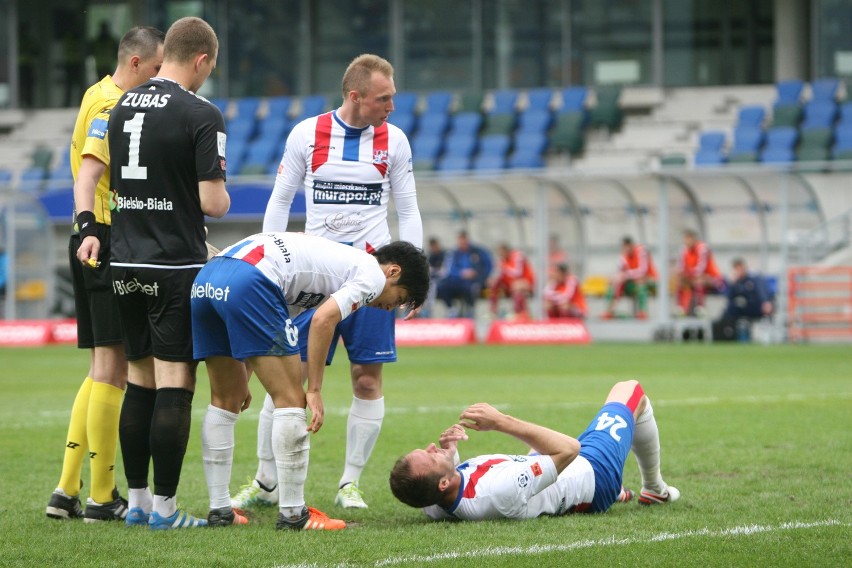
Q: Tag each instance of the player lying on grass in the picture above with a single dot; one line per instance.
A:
(561, 475)
(242, 304)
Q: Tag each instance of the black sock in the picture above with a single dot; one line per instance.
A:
(169, 437)
(134, 430)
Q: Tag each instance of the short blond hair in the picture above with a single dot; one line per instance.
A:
(360, 71)
(187, 38)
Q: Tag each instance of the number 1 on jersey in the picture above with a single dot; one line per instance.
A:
(133, 170)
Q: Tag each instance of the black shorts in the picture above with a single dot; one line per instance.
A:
(98, 320)
(155, 311)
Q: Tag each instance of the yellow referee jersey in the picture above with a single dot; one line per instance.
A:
(89, 138)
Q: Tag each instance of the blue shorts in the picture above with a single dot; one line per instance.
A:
(369, 335)
(606, 443)
(238, 312)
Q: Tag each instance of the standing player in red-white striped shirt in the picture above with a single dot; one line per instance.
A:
(349, 162)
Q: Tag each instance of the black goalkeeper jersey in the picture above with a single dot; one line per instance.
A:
(163, 140)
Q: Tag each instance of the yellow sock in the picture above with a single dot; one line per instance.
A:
(104, 410)
(77, 443)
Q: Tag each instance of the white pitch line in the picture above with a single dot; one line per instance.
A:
(538, 549)
(58, 417)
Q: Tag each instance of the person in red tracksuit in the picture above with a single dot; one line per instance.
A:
(515, 280)
(697, 273)
(563, 297)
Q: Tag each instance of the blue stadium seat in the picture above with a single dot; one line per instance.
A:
(495, 145)
(234, 153)
(488, 162)
(789, 92)
(532, 142)
(504, 101)
(468, 123)
(845, 115)
(540, 99)
(433, 123)
(825, 89)
(535, 120)
(460, 144)
(247, 108)
(525, 160)
(405, 121)
(819, 113)
(221, 104)
(260, 152)
(278, 107)
(5, 176)
(62, 171)
(405, 102)
(438, 101)
(711, 145)
(426, 147)
(747, 143)
(751, 115)
(311, 105)
(31, 180)
(574, 99)
(780, 145)
(240, 129)
(274, 129)
(451, 163)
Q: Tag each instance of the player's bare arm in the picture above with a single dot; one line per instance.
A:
(215, 201)
(563, 449)
(90, 172)
(323, 322)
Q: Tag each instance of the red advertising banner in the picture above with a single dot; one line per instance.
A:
(541, 332)
(28, 333)
(435, 332)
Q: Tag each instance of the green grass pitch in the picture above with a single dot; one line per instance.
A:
(756, 437)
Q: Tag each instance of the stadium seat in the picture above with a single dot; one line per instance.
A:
(539, 99)
(260, 152)
(780, 145)
(221, 104)
(5, 177)
(573, 99)
(462, 144)
(451, 163)
(405, 102)
(786, 115)
(234, 153)
(240, 129)
(438, 101)
(819, 114)
(488, 162)
(525, 160)
(433, 123)
(62, 172)
(504, 101)
(711, 148)
(465, 122)
(246, 108)
(535, 120)
(274, 129)
(405, 121)
(825, 89)
(31, 180)
(747, 143)
(309, 106)
(607, 113)
(751, 115)
(673, 160)
(470, 101)
(567, 134)
(842, 140)
(789, 92)
(532, 142)
(844, 119)
(278, 107)
(495, 145)
(499, 123)
(425, 148)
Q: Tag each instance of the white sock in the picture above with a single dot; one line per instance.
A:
(217, 446)
(362, 432)
(165, 506)
(646, 448)
(266, 471)
(291, 446)
(140, 499)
